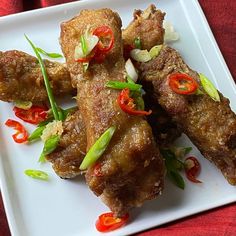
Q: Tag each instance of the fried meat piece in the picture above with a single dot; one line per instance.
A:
(146, 25)
(21, 78)
(69, 154)
(165, 131)
(131, 169)
(210, 125)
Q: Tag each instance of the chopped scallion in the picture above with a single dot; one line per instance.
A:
(36, 174)
(97, 149)
(209, 88)
(123, 85)
(49, 54)
(46, 80)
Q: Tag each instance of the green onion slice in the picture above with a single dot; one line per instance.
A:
(49, 54)
(25, 105)
(173, 166)
(123, 85)
(84, 45)
(49, 146)
(209, 88)
(154, 51)
(97, 149)
(46, 80)
(138, 43)
(36, 133)
(36, 174)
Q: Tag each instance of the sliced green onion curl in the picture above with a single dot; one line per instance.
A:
(49, 54)
(49, 146)
(36, 174)
(97, 149)
(140, 55)
(123, 85)
(154, 51)
(36, 133)
(209, 88)
(46, 80)
(84, 45)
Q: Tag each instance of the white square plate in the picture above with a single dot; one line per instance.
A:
(66, 207)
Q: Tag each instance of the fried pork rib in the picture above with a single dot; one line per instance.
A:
(210, 125)
(146, 25)
(71, 149)
(21, 78)
(132, 169)
(165, 132)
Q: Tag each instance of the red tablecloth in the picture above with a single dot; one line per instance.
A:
(222, 19)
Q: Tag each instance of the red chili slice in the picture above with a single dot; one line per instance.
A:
(107, 222)
(21, 134)
(105, 44)
(127, 104)
(97, 170)
(104, 33)
(192, 168)
(182, 83)
(34, 115)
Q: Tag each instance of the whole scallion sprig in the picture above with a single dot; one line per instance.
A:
(53, 104)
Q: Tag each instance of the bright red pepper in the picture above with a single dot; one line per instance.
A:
(21, 134)
(104, 45)
(192, 168)
(97, 170)
(127, 104)
(106, 38)
(107, 222)
(34, 115)
(182, 83)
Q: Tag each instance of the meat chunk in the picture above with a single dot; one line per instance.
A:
(132, 169)
(146, 25)
(21, 78)
(210, 125)
(70, 152)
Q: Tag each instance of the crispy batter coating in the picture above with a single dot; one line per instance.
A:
(71, 150)
(132, 169)
(146, 25)
(210, 125)
(21, 78)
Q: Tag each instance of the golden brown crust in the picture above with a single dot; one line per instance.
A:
(147, 25)
(210, 125)
(70, 152)
(132, 150)
(21, 78)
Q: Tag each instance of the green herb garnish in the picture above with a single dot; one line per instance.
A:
(123, 85)
(84, 45)
(173, 166)
(97, 149)
(46, 81)
(209, 88)
(49, 146)
(37, 133)
(36, 174)
(49, 54)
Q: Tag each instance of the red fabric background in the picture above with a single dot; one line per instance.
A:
(222, 19)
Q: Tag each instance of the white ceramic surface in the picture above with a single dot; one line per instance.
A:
(66, 207)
